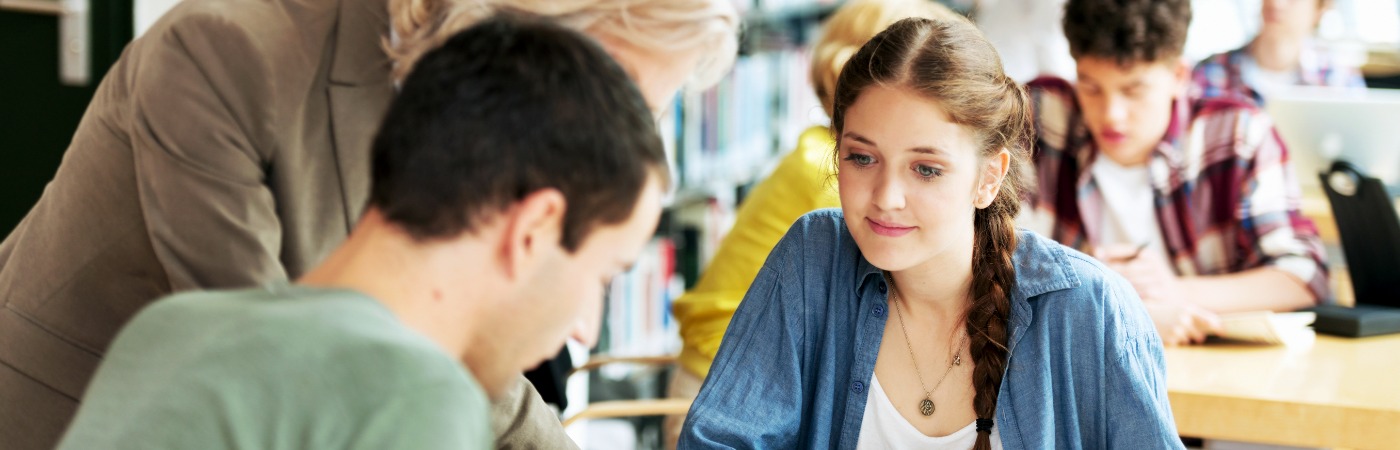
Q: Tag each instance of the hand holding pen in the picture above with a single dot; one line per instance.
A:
(1130, 256)
(1178, 320)
(1148, 271)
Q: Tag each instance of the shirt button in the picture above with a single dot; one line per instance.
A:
(883, 288)
(857, 387)
(879, 311)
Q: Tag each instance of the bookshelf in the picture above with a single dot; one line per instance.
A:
(721, 141)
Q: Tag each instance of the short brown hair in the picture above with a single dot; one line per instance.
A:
(1127, 31)
(506, 108)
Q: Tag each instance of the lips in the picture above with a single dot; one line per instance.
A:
(888, 229)
(1112, 136)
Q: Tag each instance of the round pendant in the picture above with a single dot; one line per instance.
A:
(926, 407)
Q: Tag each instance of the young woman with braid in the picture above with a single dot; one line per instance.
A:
(999, 337)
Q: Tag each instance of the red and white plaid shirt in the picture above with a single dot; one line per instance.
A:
(1226, 197)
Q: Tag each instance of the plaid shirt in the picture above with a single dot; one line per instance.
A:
(1222, 74)
(1225, 194)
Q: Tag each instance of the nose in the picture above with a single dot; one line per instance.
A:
(889, 194)
(1117, 110)
(585, 332)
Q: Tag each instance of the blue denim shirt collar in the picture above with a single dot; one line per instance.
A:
(1043, 269)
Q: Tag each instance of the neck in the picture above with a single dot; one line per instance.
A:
(939, 288)
(1276, 51)
(383, 262)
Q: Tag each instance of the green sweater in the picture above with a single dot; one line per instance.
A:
(285, 367)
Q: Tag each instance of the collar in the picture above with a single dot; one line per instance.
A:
(865, 273)
(1042, 266)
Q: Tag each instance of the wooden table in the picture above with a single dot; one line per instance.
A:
(1330, 392)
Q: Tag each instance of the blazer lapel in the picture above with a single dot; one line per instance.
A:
(359, 93)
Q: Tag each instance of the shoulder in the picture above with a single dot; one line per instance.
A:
(1066, 286)
(816, 141)
(234, 44)
(1233, 124)
(1221, 75)
(817, 245)
(814, 155)
(822, 230)
(1051, 84)
(1219, 61)
(339, 334)
(1052, 95)
(1054, 105)
(269, 26)
(803, 179)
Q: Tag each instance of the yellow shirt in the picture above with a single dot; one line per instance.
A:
(802, 182)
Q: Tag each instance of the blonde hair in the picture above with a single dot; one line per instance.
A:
(850, 27)
(662, 25)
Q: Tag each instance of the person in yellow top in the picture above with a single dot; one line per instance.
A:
(801, 183)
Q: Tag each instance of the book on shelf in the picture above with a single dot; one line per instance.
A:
(733, 133)
(637, 317)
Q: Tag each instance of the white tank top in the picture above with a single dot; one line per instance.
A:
(884, 428)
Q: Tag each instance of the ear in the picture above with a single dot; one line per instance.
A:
(1183, 73)
(533, 228)
(992, 175)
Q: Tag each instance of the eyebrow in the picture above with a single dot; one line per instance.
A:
(927, 150)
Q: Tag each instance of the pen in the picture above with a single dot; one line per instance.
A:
(1136, 253)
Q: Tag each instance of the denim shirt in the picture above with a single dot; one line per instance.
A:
(1085, 368)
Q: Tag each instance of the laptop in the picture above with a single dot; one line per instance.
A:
(1320, 125)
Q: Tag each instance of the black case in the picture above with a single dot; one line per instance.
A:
(1370, 233)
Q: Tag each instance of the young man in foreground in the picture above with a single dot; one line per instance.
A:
(517, 171)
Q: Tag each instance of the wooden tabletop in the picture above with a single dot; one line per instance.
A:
(1329, 392)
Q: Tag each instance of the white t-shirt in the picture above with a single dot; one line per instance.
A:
(1130, 217)
(1265, 81)
(883, 427)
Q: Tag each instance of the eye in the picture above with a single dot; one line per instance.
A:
(927, 171)
(860, 160)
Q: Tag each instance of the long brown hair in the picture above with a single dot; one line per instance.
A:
(949, 61)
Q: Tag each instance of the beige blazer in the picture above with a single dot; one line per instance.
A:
(228, 147)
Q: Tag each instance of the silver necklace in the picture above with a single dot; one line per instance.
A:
(926, 406)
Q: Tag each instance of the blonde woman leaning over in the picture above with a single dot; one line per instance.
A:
(802, 182)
